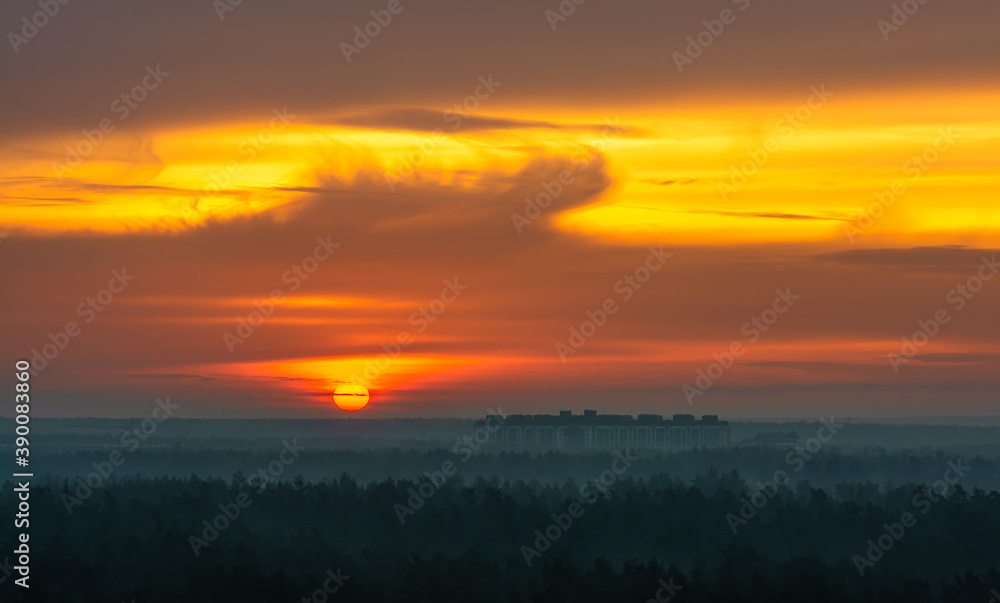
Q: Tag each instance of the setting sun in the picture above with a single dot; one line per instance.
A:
(350, 397)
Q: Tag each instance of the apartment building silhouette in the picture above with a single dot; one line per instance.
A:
(595, 431)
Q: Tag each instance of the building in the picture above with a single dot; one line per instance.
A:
(591, 431)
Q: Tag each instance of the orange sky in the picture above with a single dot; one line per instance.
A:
(433, 224)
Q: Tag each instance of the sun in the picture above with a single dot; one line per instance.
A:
(350, 397)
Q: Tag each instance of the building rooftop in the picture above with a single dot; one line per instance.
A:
(591, 417)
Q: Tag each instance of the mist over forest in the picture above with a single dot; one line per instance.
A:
(202, 510)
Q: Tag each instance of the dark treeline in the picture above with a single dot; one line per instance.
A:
(826, 469)
(618, 538)
(423, 434)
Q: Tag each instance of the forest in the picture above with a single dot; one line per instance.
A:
(466, 531)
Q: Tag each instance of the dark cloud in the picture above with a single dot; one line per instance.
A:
(270, 54)
(774, 215)
(737, 214)
(825, 367)
(424, 120)
(958, 357)
(951, 256)
(168, 377)
(302, 189)
(44, 201)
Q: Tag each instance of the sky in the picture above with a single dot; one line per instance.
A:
(745, 208)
